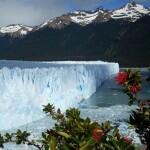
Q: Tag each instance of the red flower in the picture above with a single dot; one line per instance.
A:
(121, 77)
(97, 134)
(135, 88)
(127, 140)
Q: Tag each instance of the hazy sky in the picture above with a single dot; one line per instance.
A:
(34, 12)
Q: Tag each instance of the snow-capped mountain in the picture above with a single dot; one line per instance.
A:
(16, 29)
(130, 12)
(121, 35)
(84, 18)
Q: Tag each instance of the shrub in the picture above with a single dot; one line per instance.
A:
(131, 83)
(71, 132)
(141, 120)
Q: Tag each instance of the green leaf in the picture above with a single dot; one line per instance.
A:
(64, 134)
(1, 141)
(106, 125)
(130, 102)
(53, 143)
(88, 145)
(116, 132)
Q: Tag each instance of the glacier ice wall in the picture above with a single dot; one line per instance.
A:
(26, 86)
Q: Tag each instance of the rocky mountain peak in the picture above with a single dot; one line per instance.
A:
(130, 12)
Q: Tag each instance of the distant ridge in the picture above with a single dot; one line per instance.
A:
(121, 35)
(131, 11)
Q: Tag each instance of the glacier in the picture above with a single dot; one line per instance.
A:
(26, 86)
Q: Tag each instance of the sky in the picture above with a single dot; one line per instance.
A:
(35, 12)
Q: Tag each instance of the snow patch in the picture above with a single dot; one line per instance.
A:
(23, 32)
(84, 17)
(10, 29)
(45, 23)
(131, 11)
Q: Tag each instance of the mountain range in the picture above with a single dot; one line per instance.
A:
(121, 35)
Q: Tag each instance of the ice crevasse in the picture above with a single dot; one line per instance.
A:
(26, 86)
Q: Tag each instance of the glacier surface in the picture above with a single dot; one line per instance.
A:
(26, 86)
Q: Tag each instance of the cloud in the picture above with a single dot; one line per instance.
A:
(147, 2)
(33, 12)
(30, 12)
(142, 1)
(88, 4)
